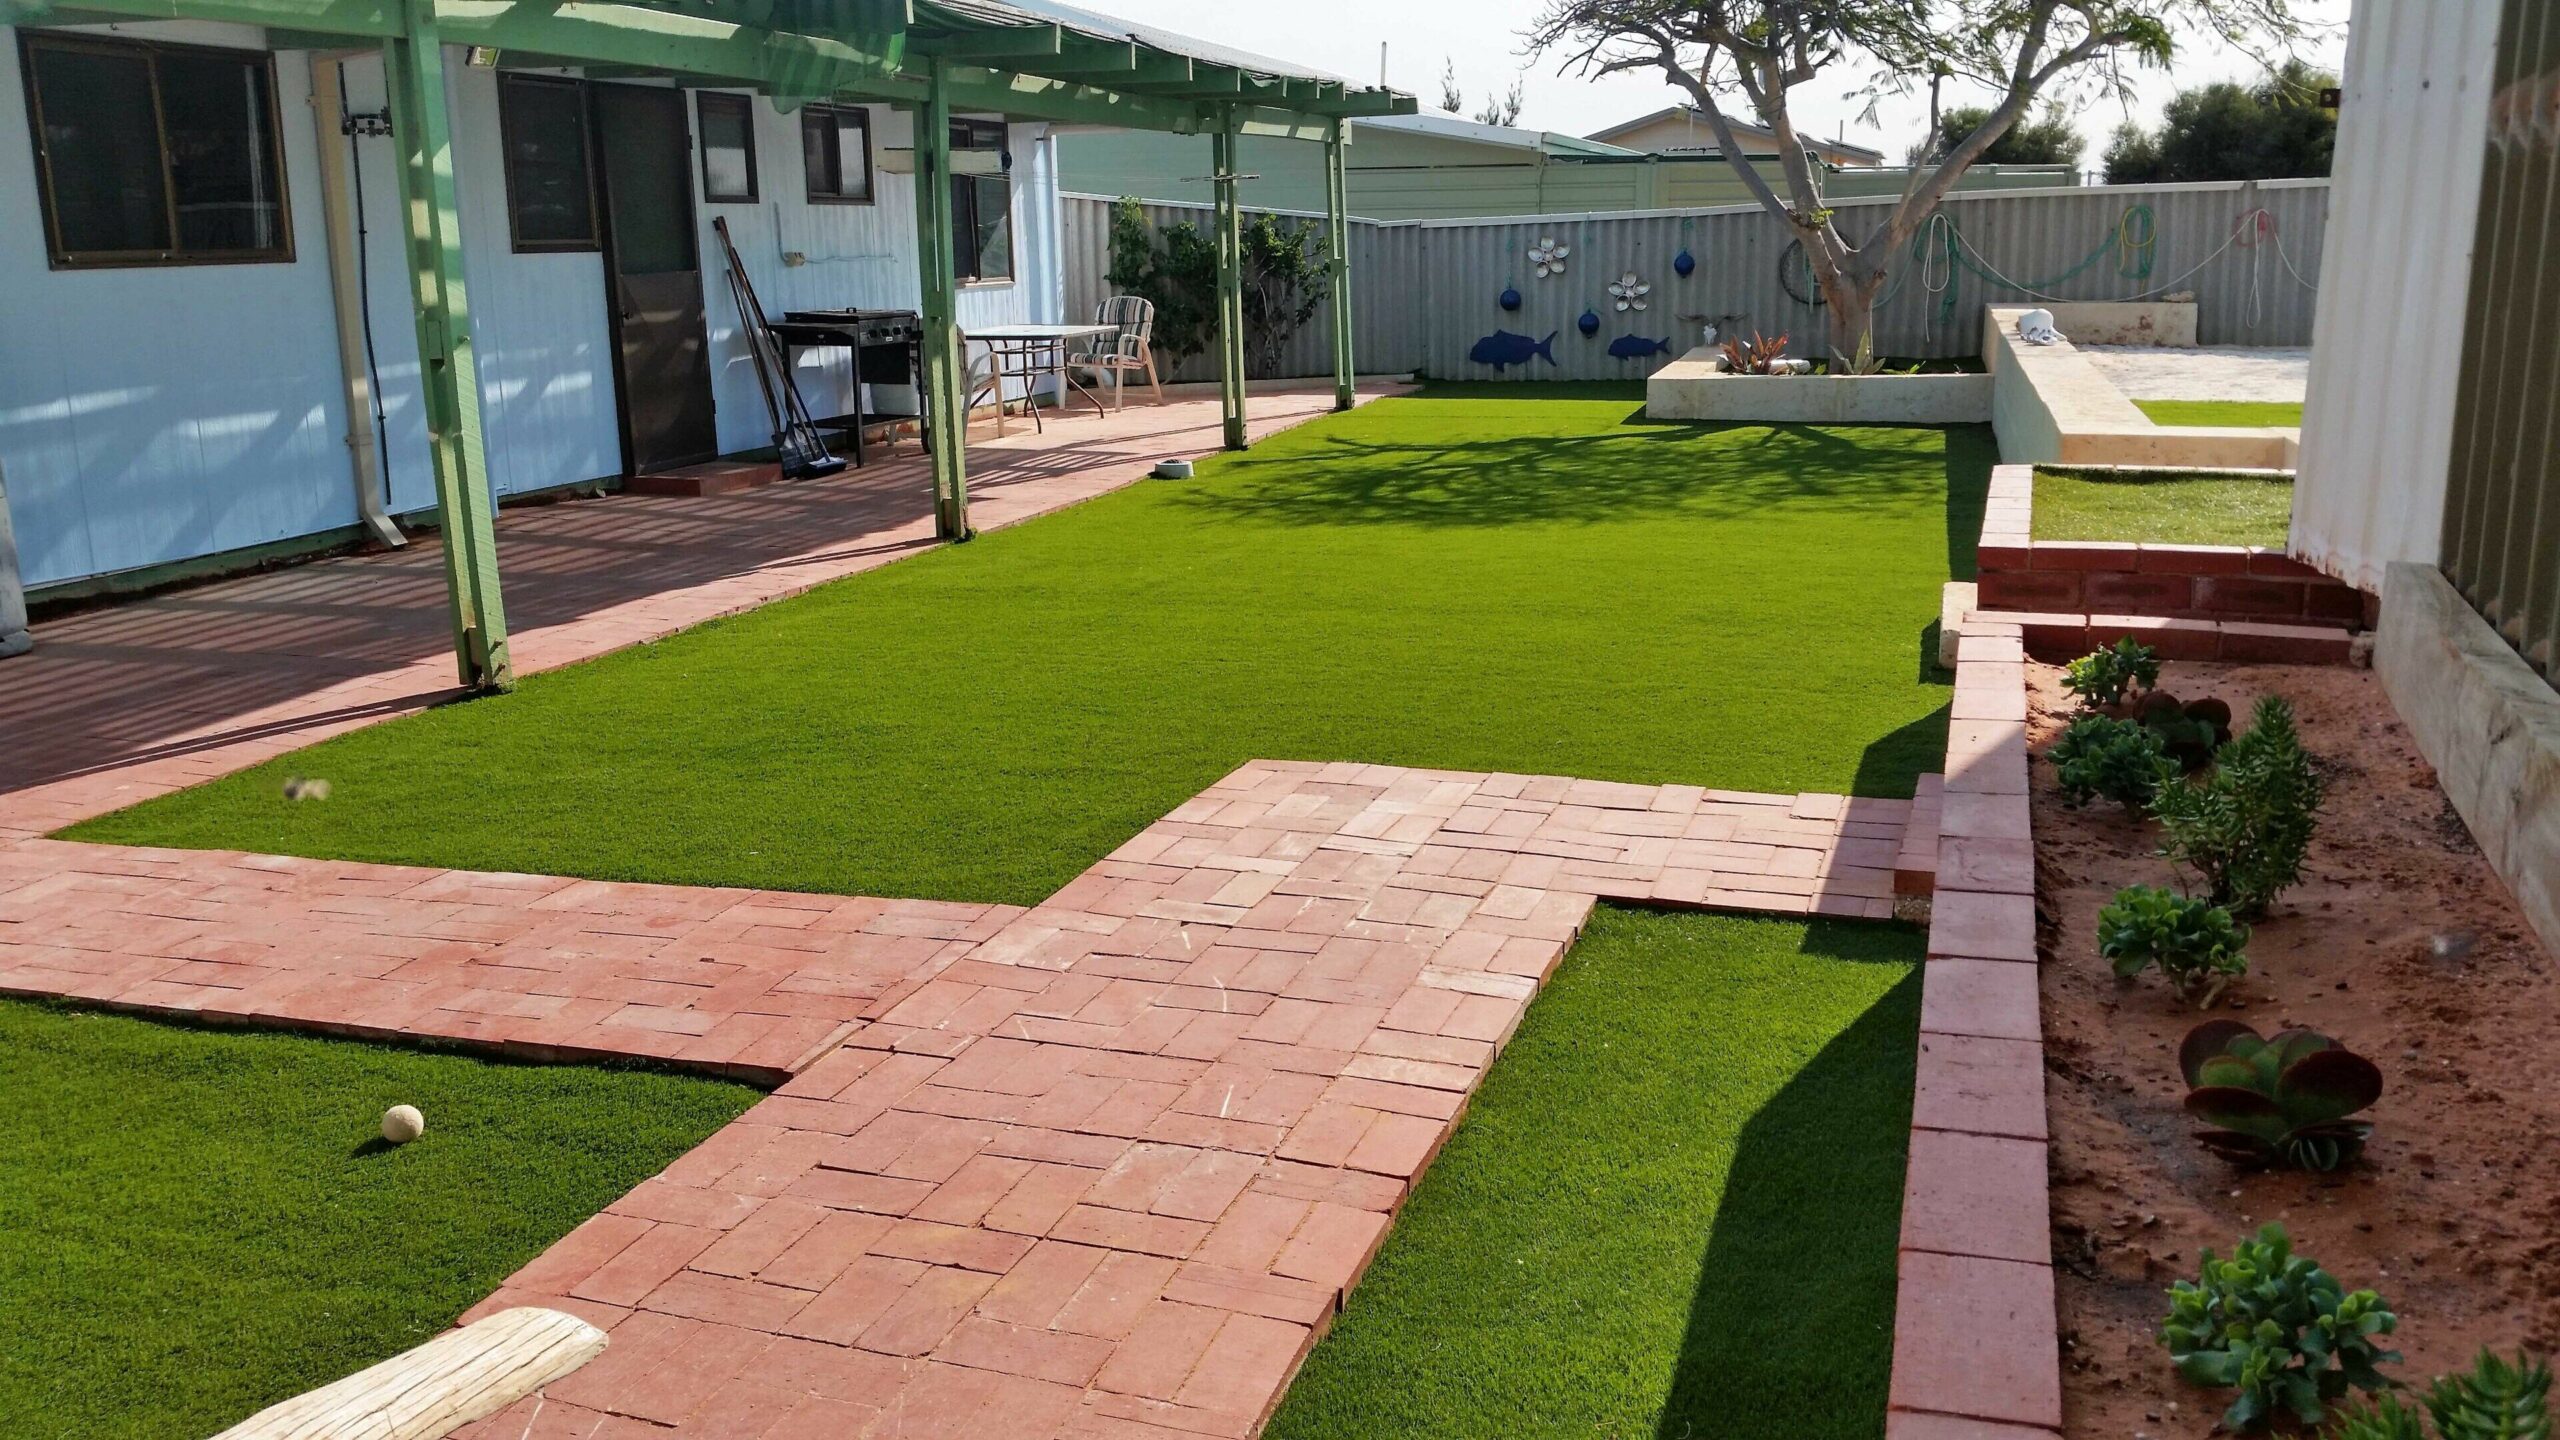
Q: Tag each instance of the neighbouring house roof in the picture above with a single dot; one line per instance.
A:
(1545, 142)
(1835, 151)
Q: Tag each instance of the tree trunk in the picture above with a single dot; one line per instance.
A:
(1850, 294)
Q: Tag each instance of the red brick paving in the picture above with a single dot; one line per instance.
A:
(1104, 1167)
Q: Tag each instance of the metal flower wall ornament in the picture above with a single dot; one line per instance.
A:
(1630, 292)
(1548, 257)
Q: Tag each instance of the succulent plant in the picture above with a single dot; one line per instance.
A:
(2247, 827)
(2382, 1419)
(2103, 678)
(2280, 1101)
(2196, 944)
(2117, 759)
(2495, 1401)
(2191, 732)
(2278, 1328)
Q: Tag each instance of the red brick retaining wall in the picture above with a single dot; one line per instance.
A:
(2204, 582)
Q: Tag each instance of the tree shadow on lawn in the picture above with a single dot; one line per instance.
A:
(1790, 1334)
(1346, 476)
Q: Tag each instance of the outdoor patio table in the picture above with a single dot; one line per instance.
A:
(1025, 353)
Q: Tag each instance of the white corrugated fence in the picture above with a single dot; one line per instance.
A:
(1426, 291)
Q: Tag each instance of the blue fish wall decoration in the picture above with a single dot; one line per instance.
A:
(1502, 349)
(1636, 347)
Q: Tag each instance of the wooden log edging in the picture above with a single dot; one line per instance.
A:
(1976, 1352)
(439, 1387)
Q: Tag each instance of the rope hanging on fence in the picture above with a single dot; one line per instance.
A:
(1941, 253)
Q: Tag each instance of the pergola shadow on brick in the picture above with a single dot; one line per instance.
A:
(1031, 61)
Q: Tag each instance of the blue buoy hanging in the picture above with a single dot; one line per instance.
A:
(1684, 264)
(1589, 324)
(1510, 298)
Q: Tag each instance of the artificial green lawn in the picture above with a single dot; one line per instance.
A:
(193, 1225)
(1482, 579)
(2163, 507)
(1671, 1210)
(2222, 412)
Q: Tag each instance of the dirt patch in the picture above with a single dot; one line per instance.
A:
(2402, 944)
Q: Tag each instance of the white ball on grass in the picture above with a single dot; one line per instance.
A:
(402, 1124)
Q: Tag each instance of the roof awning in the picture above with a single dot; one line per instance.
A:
(1030, 59)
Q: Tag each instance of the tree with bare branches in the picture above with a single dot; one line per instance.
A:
(1763, 51)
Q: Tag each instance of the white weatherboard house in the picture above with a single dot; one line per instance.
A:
(210, 320)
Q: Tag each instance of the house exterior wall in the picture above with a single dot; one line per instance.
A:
(157, 415)
(2501, 542)
(2378, 421)
(150, 415)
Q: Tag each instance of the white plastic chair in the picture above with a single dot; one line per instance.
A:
(1129, 348)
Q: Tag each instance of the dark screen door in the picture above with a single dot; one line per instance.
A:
(653, 276)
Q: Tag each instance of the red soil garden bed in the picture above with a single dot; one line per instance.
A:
(2402, 944)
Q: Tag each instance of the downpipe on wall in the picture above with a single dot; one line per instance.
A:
(14, 639)
(343, 221)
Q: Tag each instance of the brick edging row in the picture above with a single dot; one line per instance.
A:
(1975, 1346)
(2016, 571)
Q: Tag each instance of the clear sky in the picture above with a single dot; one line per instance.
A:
(1482, 37)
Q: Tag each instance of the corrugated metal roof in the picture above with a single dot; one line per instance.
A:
(1111, 27)
(1506, 136)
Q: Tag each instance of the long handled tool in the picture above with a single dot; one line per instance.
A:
(796, 438)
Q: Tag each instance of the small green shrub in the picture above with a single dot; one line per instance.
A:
(2496, 1401)
(2103, 678)
(2116, 759)
(2283, 1101)
(2196, 944)
(2245, 828)
(2279, 1329)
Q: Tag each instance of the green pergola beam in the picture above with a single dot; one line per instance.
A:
(369, 19)
(938, 264)
(1229, 242)
(422, 133)
(1337, 215)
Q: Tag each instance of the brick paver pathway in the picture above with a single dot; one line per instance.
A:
(139, 698)
(1100, 1168)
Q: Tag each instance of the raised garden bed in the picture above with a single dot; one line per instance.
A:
(2020, 570)
(2401, 944)
(1692, 388)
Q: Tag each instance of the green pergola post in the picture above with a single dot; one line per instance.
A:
(1230, 248)
(413, 68)
(937, 257)
(1337, 210)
